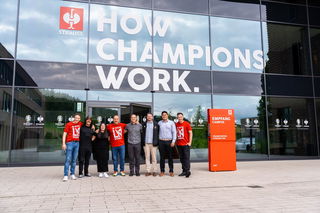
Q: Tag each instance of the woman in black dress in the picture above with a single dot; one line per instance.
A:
(85, 149)
(101, 150)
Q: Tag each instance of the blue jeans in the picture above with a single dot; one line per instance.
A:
(71, 157)
(117, 152)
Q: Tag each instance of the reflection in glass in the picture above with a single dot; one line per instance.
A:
(251, 128)
(236, 45)
(119, 96)
(246, 9)
(5, 111)
(130, 3)
(184, 44)
(194, 108)
(199, 6)
(8, 18)
(39, 118)
(54, 42)
(292, 127)
(238, 83)
(51, 75)
(120, 35)
(286, 49)
(6, 72)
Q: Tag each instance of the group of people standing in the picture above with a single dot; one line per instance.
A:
(80, 140)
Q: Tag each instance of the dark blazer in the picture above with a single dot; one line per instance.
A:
(155, 133)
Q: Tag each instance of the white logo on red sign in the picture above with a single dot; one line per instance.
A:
(76, 131)
(117, 133)
(180, 132)
(71, 18)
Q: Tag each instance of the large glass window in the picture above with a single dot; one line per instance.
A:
(51, 74)
(194, 108)
(238, 83)
(246, 9)
(286, 49)
(5, 118)
(120, 35)
(289, 85)
(315, 49)
(236, 45)
(53, 31)
(39, 118)
(314, 15)
(280, 12)
(181, 41)
(6, 72)
(292, 127)
(8, 19)
(250, 115)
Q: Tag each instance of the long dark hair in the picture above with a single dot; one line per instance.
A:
(85, 121)
(103, 134)
(105, 129)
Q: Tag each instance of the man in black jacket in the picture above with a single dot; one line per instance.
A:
(150, 141)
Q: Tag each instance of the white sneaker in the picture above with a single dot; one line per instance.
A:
(100, 174)
(73, 177)
(65, 178)
(105, 174)
(81, 176)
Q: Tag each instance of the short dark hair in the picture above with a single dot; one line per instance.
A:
(164, 112)
(179, 113)
(149, 113)
(77, 114)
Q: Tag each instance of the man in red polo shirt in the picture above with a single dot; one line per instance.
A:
(184, 141)
(116, 133)
(70, 144)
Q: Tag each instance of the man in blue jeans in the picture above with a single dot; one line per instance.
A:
(70, 144)
(116, 133)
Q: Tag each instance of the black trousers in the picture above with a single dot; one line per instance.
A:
(102, 158)
(184, 153)
(134, 151)
(165, 149)
(84, 159)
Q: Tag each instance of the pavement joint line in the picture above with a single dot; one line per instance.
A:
(133, 190)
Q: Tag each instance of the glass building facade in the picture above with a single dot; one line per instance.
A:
(105, 57)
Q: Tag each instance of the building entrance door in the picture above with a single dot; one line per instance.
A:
(104, 111)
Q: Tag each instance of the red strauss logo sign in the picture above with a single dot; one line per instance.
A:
(71, 18)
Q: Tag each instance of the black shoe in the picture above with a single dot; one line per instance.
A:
(188, 174)
(131, 174)
(137, 174)
(182, 174)
(87, 175)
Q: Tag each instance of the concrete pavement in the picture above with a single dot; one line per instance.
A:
(257, 186)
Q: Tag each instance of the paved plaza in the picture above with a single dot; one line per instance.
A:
(257, 186)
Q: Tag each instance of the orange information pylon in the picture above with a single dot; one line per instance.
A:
(222, 140)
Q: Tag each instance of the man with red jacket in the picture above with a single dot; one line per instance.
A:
(70, 144)
(184, 141)
(116, 133)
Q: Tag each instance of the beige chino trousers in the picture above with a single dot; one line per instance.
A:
(151, 150)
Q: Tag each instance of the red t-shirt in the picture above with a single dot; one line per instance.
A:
(183, 135)
(73, 131)
(116, 132)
